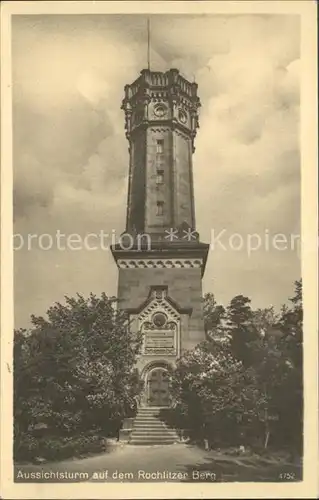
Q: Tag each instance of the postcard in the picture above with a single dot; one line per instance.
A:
(159, 250)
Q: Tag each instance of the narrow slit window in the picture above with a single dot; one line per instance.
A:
(160, 208)
(160, 177)
(160, 146)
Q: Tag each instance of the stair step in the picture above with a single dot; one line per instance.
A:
(152, 439)
(152, 442)
(148, 417)
(153, 425)
(148, 421)
(153, 408)
(154, 435)
(149, 429)
(153, 429)
(153, 432)
(149, 413)
(149, 426)
(143, 428)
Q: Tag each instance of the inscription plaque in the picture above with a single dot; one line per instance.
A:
(160, 342)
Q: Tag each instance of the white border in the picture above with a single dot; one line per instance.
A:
(308, 488)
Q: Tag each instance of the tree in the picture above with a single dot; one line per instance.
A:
(241, 328)
(239, 311)
(291, 323)
(215, 395)
(245, 387)
(264, 319)
(214, 316)
(74, 371)
(291, 343)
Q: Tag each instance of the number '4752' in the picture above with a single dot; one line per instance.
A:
(287, 476)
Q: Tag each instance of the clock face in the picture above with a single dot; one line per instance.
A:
(182, 116)
(160, 110)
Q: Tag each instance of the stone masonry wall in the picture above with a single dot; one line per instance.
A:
(184, 287)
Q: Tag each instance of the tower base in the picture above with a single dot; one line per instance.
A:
(161, 289)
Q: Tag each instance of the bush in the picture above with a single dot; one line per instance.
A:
(25, 448)
(52, 448)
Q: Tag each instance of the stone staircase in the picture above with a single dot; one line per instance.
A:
(148, 429)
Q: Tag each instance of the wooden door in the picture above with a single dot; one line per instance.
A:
(158, 389)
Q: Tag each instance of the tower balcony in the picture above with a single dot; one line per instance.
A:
(149, 83)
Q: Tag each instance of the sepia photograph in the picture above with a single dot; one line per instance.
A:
(158, 249)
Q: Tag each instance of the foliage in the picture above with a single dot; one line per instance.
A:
(218, 396)
(264, 319)
(241, 328)
(74, 372)
(52, 448)
(214, 315)
(291, 322)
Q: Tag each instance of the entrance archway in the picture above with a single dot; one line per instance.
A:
(158, 387)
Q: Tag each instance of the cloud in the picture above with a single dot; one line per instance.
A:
(71, 156)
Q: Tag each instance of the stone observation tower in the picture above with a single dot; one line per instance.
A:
(161, 261)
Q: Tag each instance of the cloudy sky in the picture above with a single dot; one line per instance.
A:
(71, 157)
